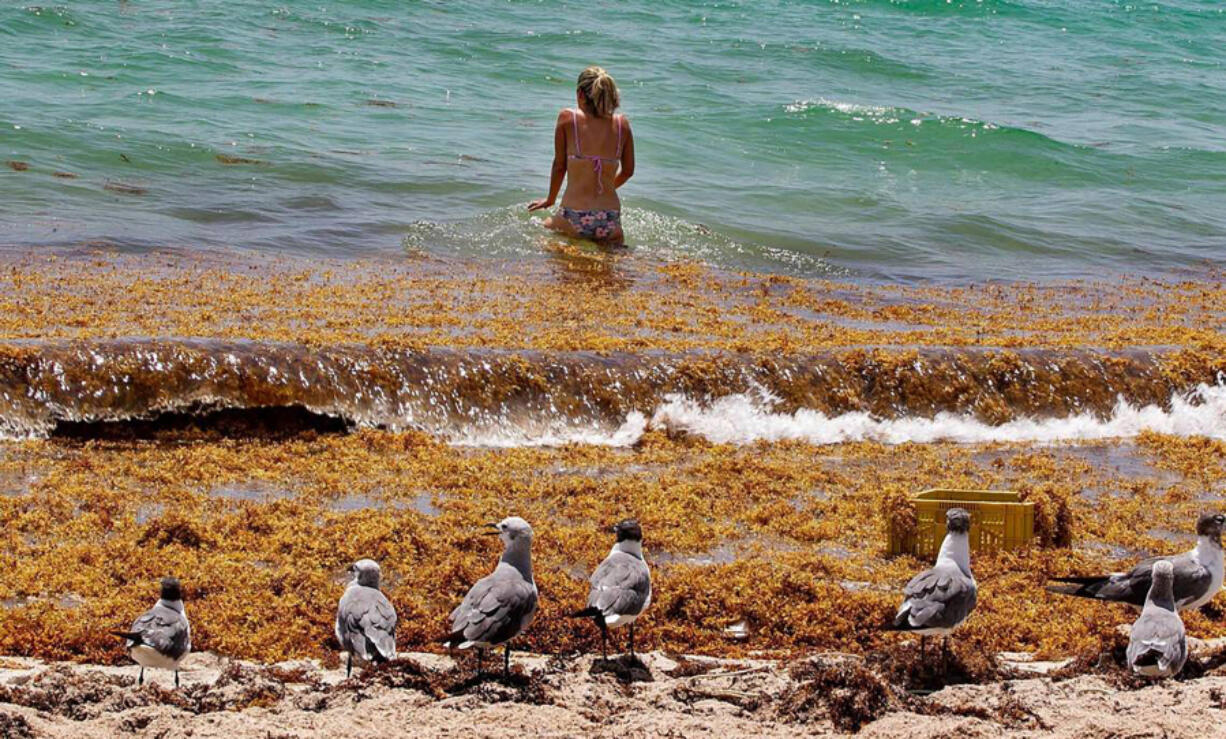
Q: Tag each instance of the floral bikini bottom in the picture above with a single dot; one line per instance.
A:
(593, 224)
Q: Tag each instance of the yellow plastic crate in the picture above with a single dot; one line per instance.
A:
(999, 520)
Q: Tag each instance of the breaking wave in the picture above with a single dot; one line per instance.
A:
(743, 419)
(481, 397)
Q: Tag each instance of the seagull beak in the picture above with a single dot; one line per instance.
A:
(495, 531)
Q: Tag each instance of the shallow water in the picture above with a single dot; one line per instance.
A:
(882, 139)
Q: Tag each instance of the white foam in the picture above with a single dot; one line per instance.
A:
(558, 434)
(742, 419)
(745, 418)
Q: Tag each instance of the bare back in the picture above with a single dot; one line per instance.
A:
(595, 148)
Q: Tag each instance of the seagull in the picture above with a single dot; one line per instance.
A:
(1197, 574)
(939, 600)
(500, 605)
(365, 618)
(161, 637)
(1158, 646)
(621, 585)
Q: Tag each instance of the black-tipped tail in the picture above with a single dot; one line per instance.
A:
(1091, 580)
(453, 640)
(376, 655)
(1078, 587)
(901, 622)
(593, 613)
(131, 636)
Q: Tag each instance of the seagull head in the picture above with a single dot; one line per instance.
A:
(957, 521)
(513, 531)
(171, 590)
(1210, 524)
(628, 529)
(366, 572)
(1163, 571)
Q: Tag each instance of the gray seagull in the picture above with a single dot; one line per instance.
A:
(1197, 574)
(502, 604)
(1158, 646)
(938, 600)
(161, 637)
(621, 585)
(365, 618)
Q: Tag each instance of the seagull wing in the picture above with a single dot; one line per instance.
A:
(366, 623)
(164, 629)
(1158, 642)
(621, 586)
(496, 609)
(938, 598)
(1191, 581)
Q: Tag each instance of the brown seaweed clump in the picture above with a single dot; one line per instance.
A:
(15, 726)
(1053, 511)
(77, 695)
(842, 690)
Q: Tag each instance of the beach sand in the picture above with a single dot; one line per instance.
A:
(425, 694)
(245, 425)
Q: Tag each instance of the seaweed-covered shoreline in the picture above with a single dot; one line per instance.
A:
(780, 533)
(793, 544)
(657, 694)
(581, 300)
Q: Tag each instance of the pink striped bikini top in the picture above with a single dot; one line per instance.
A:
(597, 162)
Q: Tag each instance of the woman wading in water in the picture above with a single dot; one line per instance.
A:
(593, 150)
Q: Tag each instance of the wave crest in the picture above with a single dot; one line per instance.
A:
(744, 419)
(520, 398)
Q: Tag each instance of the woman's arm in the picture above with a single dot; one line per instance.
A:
(558, 171)
(627, 168)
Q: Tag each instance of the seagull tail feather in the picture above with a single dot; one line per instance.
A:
(901, 622)
(1080, 580)
(453, 640)
(589, 612)
(131, 636)
(380, 652)
(1079, 587)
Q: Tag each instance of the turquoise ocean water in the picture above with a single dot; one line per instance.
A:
(883, 140)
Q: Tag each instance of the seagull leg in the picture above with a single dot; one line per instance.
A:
(349, 665)
(176, 678)
(506, 662)
(631, 640)
(604, 640)
(945, 652)
(480, 661)
(141, 680)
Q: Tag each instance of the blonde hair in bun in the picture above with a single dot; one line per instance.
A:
(600, 91)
